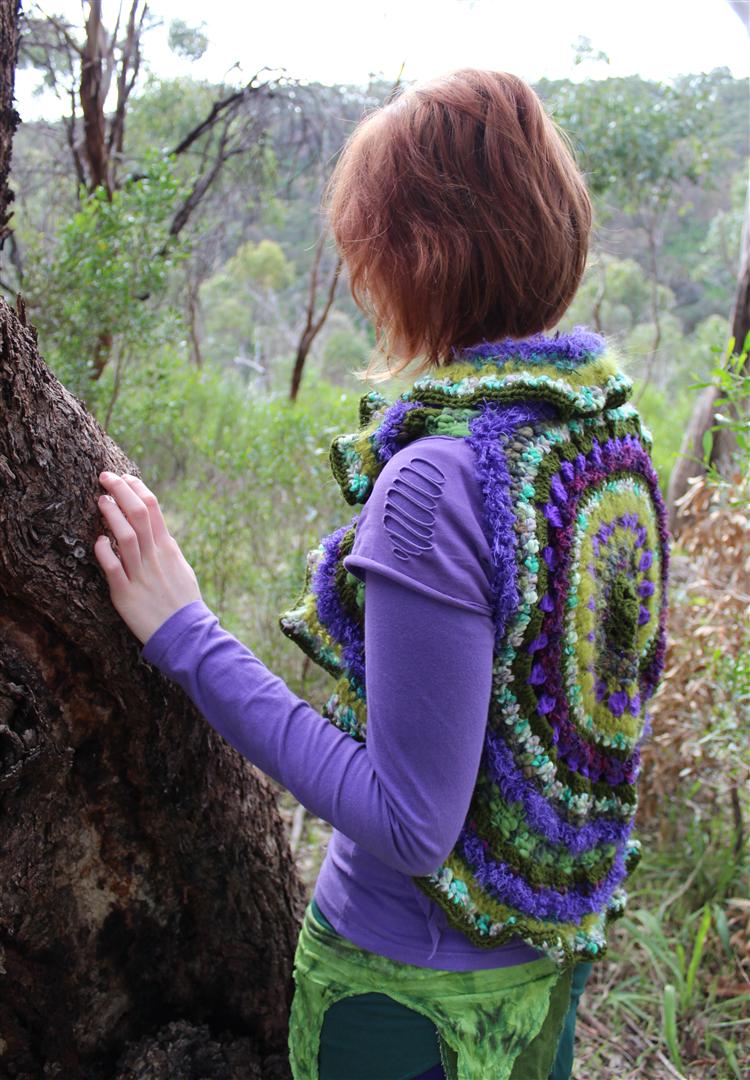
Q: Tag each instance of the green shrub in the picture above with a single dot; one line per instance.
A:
(245, 484)
(98, 291)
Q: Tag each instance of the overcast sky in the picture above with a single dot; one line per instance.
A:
(336, 41)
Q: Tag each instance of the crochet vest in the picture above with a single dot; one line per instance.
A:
(579, 545)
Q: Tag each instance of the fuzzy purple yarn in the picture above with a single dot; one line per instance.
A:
(490, 432)
(342, 627)
(386, 440)
(540, 814)
(542, 903)
(576, 347)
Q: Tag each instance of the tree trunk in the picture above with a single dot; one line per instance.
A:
(146, 883)
(193, 318)
(10, 11)
(689, 462)
(96, 74)
(312, 325)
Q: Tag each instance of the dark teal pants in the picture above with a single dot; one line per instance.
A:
(563, 1066)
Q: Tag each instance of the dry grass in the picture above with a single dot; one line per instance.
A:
(709, 629)
(693, 805)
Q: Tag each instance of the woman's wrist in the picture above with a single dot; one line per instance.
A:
(171, 629)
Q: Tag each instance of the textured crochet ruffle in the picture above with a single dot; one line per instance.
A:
(580, 556)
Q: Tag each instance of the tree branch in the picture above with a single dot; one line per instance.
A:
(130, 62)
(217, 110)
(313, 326)
(200, 187)
(70, 133)
(63, 31)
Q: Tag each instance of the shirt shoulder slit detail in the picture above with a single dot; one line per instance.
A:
(406, 499)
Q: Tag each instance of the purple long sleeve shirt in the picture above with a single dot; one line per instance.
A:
(398, 801)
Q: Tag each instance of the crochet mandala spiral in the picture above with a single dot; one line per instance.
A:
(580, 557)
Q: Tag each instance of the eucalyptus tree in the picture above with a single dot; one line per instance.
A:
(639, 142)
(148, 900)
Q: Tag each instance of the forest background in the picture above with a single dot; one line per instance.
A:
(183, 286)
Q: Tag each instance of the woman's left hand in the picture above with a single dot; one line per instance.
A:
(151, 579)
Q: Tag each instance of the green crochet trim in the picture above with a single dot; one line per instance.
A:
(543, 865)
(581, 391)
(588, 388)
(488, 923)
(301, 625)
(346, 708)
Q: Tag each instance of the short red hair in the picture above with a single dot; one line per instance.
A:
(461, 216)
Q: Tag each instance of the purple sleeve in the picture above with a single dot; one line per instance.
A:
(404, 794)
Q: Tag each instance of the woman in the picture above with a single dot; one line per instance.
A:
(479, 754)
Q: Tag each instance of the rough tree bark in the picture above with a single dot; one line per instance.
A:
(145, 877)
(148, 901)
(9, 118)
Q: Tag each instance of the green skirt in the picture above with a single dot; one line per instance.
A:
(498, 1024)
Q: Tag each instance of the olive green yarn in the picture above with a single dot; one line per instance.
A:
(542, 864)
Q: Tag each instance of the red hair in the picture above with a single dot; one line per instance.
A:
(461, 216)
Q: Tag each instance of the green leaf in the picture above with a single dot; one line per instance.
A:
(669, 1013)
(695, 959)
(707, 442)
(722, 928)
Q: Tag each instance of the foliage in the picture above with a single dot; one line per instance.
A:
(243, 303)
(100, 286)
(680, 360)
(673, 990)
(718, 255)
(345, 350)
(619, 291)
(188, 41)
(270, 193)
(731, 377)
(638, 139)
(45, 48)
(246, 485)
(163, 113)
(262, 264)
